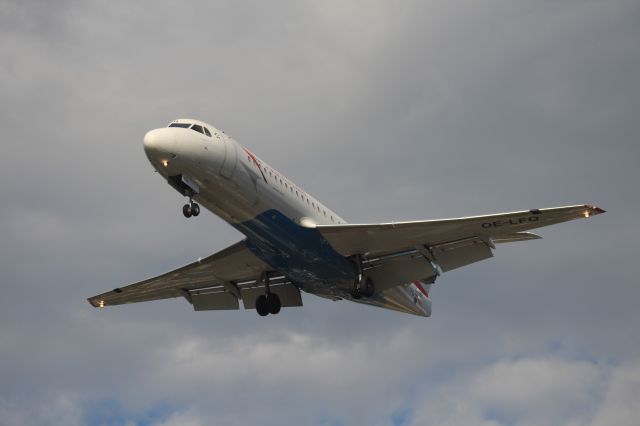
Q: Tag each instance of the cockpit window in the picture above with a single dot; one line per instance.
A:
(197, 128)
(185, 125)
(206, 132)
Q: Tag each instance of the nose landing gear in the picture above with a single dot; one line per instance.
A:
(188, 188)
(191, 209)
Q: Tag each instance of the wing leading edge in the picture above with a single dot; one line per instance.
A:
(451, 235)
(217, 282)
(389, 251)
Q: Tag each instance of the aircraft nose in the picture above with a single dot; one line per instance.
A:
(159, 145)
(157, 140)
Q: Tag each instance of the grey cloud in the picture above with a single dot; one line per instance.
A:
(404, 111)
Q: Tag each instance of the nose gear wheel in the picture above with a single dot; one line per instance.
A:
(191, 209)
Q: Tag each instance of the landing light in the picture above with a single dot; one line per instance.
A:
(101, 303)
(165, 163)
(586, 214)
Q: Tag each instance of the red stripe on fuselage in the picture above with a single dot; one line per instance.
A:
(421, 288)
(256, 162)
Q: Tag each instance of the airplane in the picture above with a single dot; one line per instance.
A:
(295, 243)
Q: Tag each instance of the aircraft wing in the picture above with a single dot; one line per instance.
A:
(450, 243)
(216, 282)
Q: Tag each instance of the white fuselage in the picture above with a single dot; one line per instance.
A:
(277, 216)
(233, 182)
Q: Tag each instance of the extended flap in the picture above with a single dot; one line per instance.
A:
(460, 253)
(214, 301)
(288, 293)
(400, 270)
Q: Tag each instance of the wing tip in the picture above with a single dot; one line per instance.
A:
(96, 303)
(592, 210)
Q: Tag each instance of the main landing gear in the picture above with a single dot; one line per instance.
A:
(191, 209)
(268, 303)
(363, 288)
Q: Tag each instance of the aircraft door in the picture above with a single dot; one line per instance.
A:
(230, 158)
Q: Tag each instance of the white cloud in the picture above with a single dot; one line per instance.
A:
(304, 367)
(536, 391)
(620, 406)
(554, 385)
(184, 419)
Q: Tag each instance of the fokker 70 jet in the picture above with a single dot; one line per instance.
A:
(293, 242)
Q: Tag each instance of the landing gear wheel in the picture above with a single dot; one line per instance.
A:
(262, 306)
(186, 210)
(365, 289)
(273, 301)
(368, 288)
(195, 209)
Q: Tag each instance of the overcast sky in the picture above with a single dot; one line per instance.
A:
(382, 110)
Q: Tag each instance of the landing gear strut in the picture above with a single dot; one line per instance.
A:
(191, 209)
(363, 287)
(268, 303)
(188, 188)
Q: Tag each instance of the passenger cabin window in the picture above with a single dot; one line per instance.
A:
(197, 128)
(184, 125)
(206, 132)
